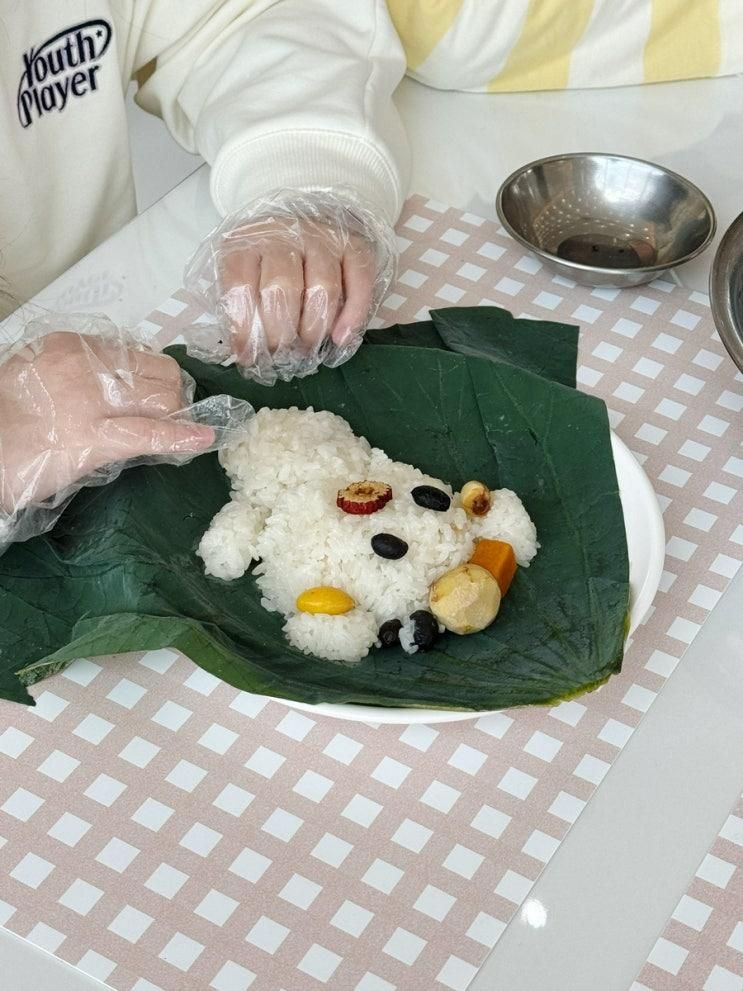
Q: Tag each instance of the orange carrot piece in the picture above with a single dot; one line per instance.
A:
(497, 557)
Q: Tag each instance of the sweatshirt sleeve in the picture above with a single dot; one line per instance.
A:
(277, 93)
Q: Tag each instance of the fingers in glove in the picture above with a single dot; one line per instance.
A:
(322, 294)
(158, 367)
(239, 282)
(136, 436)
(145, 397)
(132, 381)
(104, 356)
(282, 286)
(358, 290)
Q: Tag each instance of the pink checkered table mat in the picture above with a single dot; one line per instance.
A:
(702, 945)
(160, 829)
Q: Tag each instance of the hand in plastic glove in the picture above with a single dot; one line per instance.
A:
(70, 404)
(291, 281)
(303, 280)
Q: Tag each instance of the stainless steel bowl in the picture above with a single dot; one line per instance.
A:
(605, 220)
(726, 290)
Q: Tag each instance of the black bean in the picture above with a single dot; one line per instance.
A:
(389, 633)
(389, 546)
(429, 497)
(425, 629)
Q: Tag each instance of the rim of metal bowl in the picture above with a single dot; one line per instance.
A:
(549, 256)
(729, 251)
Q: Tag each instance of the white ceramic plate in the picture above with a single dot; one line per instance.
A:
(646, 542)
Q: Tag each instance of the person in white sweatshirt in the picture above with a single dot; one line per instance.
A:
(273, 94)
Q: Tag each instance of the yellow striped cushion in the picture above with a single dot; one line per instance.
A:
(507, 45)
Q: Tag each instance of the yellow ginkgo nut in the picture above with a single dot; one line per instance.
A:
(476, 498)
(325, 600)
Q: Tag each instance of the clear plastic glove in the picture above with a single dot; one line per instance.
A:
(302, 282)
(75, 409)
(293, 281)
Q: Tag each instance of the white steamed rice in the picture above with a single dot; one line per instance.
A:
(285, 476)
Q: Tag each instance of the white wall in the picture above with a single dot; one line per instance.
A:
(159, 163)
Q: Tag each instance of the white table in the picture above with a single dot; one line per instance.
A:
(595, 912)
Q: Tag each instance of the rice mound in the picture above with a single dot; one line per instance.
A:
(285, 475)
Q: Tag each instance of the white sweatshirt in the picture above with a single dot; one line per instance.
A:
(270, 92)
